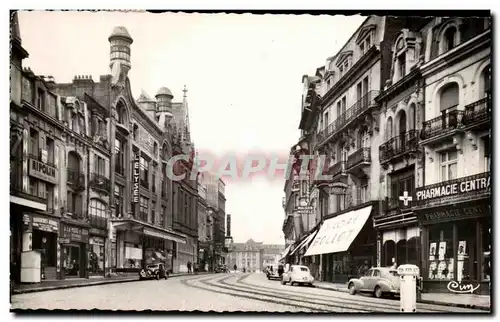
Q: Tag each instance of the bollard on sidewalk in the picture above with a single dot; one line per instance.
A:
(409, 274)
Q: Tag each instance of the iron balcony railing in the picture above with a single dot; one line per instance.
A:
(447, 122)
(350, 114)
(477, 112)
(337, 169)
(360, 156)
(99, 181)
(76, 178)
(98, 222)
(476, 181)
(399, 145)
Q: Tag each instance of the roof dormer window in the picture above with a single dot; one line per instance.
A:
(449, 35)
(364, 39)
(405, 53)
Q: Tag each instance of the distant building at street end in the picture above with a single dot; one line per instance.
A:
(253, 256)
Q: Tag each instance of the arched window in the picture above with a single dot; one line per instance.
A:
(485, 82)
(388, 129)
(449, 96)
(450, 38)
(412, 117)
(120, 111)
(401, 122)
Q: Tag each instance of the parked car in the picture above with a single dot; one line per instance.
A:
(377, 280)
(221, 269)
(298, 274)
(275, 274)
(153, 271)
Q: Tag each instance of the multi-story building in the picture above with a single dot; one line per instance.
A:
(247, 256)
(205, 229)
(341, 120)
(452, 199)
(211, 183)
(220, 223)
(400, 156)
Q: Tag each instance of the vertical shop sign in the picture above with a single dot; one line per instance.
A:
(135, 178)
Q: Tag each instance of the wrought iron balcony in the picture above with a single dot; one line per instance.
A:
(349, 115)
(360, 157)
(337, 169)
(98, 222)
(98, 181)
(452, 191)
(446, 124)
(399, 146)
(478, 113)
(76, 179)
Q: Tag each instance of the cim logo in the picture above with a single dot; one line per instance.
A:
(458, 287)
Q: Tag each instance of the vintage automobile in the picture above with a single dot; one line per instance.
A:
(273, 274)
(153, 271)
(298, 274)
(377, 280)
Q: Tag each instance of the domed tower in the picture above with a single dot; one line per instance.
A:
(119, 42)
(164, 105)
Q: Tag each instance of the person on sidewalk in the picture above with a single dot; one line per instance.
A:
(189, 267)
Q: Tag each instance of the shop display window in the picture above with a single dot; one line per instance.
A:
(133, 255)
(441, 257)
(96, 259)
(467, 255)
(486, 244)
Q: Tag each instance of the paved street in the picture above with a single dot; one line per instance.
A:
(219, 292)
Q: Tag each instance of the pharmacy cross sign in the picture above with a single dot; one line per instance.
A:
(405, 198)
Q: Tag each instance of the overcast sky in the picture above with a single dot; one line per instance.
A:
(243, 74)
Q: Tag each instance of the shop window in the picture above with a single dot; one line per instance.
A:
(133, 255)
(96, 256)
(467, 255)
(97, 212)
(448, 165)
(486, 243)
(441, 257)
(45, 242)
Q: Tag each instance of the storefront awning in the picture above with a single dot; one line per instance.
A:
(163, 235)
(285, 253)
(337, 233)
(305, 242)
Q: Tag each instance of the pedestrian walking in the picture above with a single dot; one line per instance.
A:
(189, 267)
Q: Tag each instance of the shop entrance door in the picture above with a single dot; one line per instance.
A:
(72, 260)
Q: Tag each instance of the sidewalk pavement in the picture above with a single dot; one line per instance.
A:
(471, 301)
(62, 284)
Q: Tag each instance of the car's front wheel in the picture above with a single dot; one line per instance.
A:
(283, 282)
(352, 289)
(377, 292)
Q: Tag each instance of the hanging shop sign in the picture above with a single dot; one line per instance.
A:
(441, 214)
(136, 178)
(460, 186)
(338, 188)
(75, 234)
(42, 171)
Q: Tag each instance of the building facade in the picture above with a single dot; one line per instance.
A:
(205, 229)
(411, 157)
(89, 187)
(220, 224)
(453, 192)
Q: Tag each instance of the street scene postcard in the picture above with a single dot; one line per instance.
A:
(249, 162)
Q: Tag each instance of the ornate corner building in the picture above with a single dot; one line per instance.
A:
(415, 139)
(89, 187)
